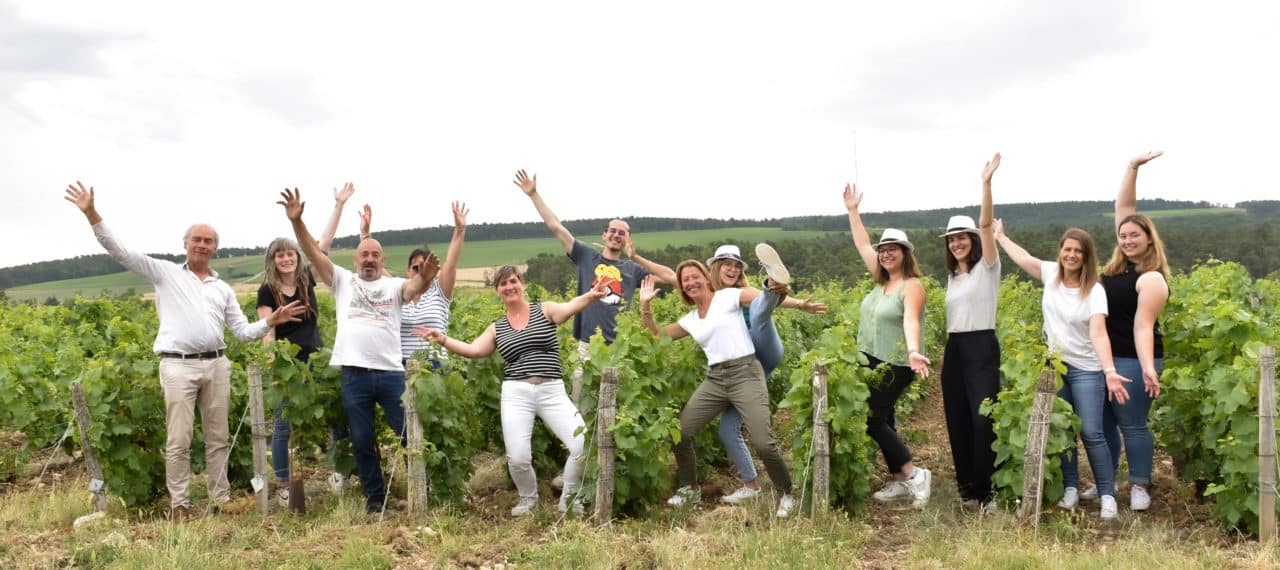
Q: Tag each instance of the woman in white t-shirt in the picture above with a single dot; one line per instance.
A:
(734, 376)
(1075, 324)
(971, 360)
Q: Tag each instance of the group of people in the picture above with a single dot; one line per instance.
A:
(1104, 329)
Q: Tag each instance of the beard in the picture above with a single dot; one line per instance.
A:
(370, 272)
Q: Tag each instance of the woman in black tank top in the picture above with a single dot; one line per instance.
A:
(1136, 281)
(532, 380)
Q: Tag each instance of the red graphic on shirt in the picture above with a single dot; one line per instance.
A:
(611, 273)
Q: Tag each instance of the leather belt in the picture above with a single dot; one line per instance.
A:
(196, 356)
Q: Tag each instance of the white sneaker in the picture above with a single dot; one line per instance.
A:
(685, 495)
(336, 482)
(920, 484)
(772, 264)
(742, 495)
(785, 505)
(1108, 511)
(558, 482)
(524, 507)
(1070, 499)
(282, 496)
(1089, 494)
(578, 508)
(1139, 499)
(892, 491)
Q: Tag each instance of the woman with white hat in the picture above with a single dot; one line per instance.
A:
(1075, 326)
(889, 332)
(971, 360)
(728, 269)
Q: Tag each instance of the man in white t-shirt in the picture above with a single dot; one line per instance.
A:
(367, 345)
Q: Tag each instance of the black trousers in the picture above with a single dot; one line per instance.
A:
(881, 424)
(970, 374)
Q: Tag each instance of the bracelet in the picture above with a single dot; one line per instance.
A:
(1111, 370)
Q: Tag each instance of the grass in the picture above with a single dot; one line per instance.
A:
(1187, 213)
(490, 253)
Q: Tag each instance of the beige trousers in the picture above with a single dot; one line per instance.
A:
(188, 384)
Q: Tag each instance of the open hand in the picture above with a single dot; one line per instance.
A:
(990, 168)
(919, 364)
(648, 289)
(293, 204)
(997, 228)
(366, 219)
(341, 196)
(1116, 391)
(852, 197)
(1144, 158)
(430, 268)
(81, 197)
(460, 212)
(433, 336)
(290, 313)
(813, 308)
(527, 184)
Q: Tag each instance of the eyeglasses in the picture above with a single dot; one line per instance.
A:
(888, 250)
(615, 232)
(415, 267)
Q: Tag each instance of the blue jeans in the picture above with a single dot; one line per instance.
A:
(768, 345)
(1086, 391)
(1130, 420)
(362, 388)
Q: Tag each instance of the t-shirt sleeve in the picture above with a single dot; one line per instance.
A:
(688, 321)
(1098, 300)
(265, 298)
(579, 251)
(1048, 272)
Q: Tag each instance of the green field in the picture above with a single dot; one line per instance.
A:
(1187, 213)
(474, 254)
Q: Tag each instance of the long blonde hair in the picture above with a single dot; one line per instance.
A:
(1089, 266)
(716, 284)
(275, 281)
(1154, 259)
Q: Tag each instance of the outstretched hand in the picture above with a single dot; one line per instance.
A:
(460, 212)
(1116, 391)
(997, 228)
(648, 288)
(341, 196)
(852, 197)
(1144, 158)
(430, 268)
(366, 219)
(293, 204)
(80, 196)
(290, 313)
(809, 306)
(433, 336)
(527, 184)
(990, 168)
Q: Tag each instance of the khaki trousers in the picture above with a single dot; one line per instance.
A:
(188, 384)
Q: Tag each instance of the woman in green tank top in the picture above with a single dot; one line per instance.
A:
(889, 332)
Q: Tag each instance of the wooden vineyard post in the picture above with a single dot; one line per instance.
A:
(258, 425)
(821, 445)
(606, 412)
(1037, 436)
(1267, 447)
(84, 420)
(417, 481)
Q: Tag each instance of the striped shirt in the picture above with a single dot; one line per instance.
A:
(431, 311)
(533, 351)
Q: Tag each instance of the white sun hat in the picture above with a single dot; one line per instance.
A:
(960, 224)
(728, 252)
(895, 235)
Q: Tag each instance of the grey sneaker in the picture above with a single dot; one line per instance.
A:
(1089, 494)
(742, 495)
(772, 264)
(920, 484)
(1070, 498)
(685, 495)
(336, 482)
(524, 507)
(892, 491)
(785, 505)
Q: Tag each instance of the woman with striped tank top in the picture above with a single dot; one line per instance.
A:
(533, 384)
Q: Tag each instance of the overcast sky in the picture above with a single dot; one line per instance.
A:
(180, 112)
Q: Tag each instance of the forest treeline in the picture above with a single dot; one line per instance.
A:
(1245, 236)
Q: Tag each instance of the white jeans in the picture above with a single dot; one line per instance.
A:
(521, 402)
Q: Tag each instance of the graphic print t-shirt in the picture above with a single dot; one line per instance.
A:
(368, 321)
(602, 314)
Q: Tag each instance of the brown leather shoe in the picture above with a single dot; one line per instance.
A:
(181, 513)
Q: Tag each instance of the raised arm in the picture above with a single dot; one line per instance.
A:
(449, 271)
(913, 305)
(144, 265)
(529, 185)
(665, 275)
(418, 284)
(321, 266)
(1153, 293)
(852, 199)
(482, 346)
(366, 219)
(649, 290)
(1102, 346)
(1025, 260)
(1127, 199)
(560, 312)
(340, 198)
(989, 251)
